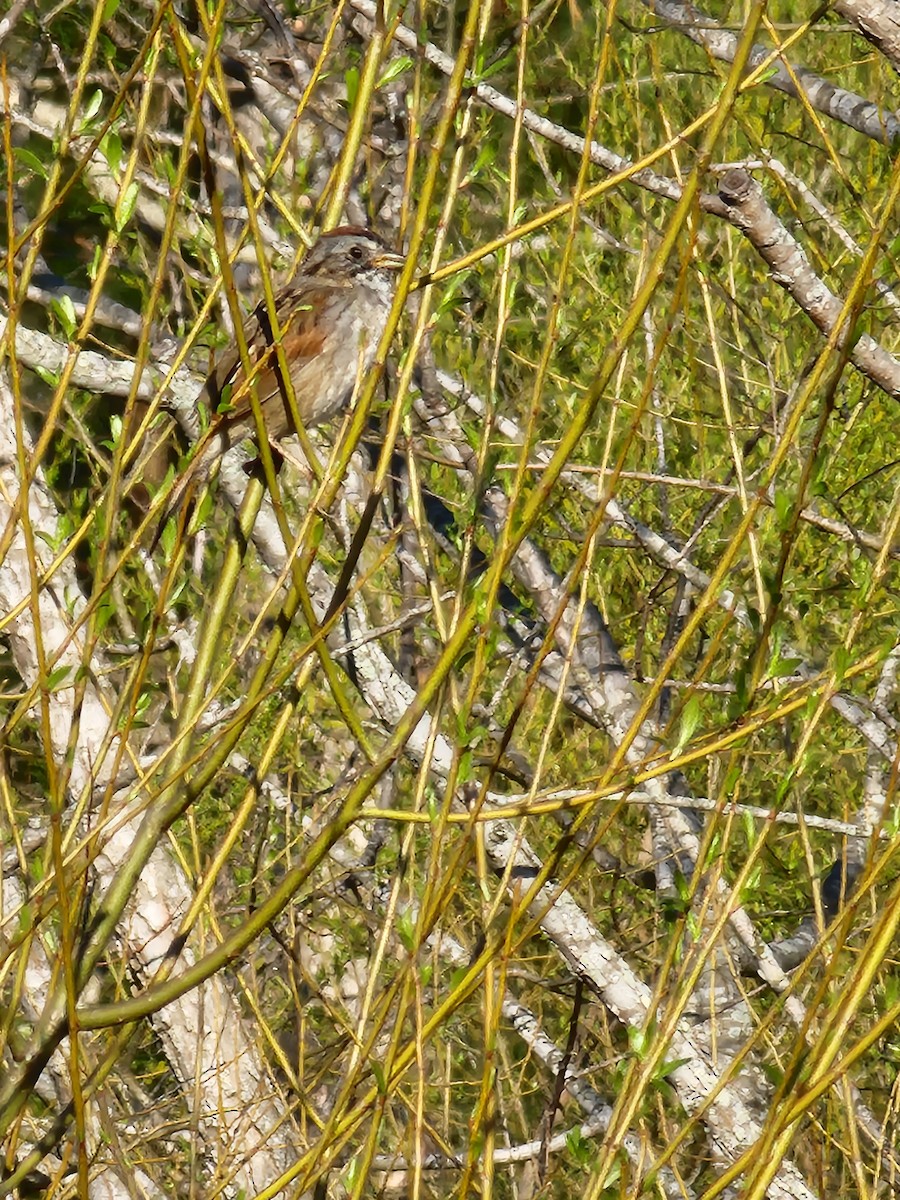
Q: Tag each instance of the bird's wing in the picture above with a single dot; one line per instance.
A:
(227, 388)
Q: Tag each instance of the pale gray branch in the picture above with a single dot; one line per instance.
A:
(878, 21)
(790, 269)
(856, 112)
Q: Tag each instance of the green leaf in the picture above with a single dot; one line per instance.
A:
(479, 75)
(394, 68)
(225, 405)
(478, 735)
(456, 977)
(891, 991)
(167, 538)
(738, 703)
(638, 1040)
(613, 1176)
(749, 823)
(111, 149)
(465, 772)
(406, 931)
(49, 377)
(690, 719)
(580, 1148)
(352, 1173)
(28, 159)
(752, 882)
(432, 806)
(841, 659)
(55, 678)
(65, 311)
(780, 667)
(94, 265)
(65, 527)
(667, 1067)
(103, 614)
(351, 83)
(91, 108)
(714, 850)
(125, 206)
(783, 507)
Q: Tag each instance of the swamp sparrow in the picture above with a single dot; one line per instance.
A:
(331, 316)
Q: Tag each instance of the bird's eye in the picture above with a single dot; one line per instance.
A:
(356, 253)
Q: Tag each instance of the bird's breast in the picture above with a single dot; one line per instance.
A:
(324, 383)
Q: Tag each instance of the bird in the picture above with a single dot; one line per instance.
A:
(330, 318)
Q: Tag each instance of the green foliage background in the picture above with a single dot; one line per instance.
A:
(690, 419)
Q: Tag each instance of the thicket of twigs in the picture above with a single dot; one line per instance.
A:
(508, 807)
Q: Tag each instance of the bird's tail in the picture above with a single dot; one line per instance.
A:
(197, 473)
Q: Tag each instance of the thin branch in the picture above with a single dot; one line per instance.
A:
(856, 112)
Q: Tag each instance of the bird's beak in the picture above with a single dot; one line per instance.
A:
(389, 261)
